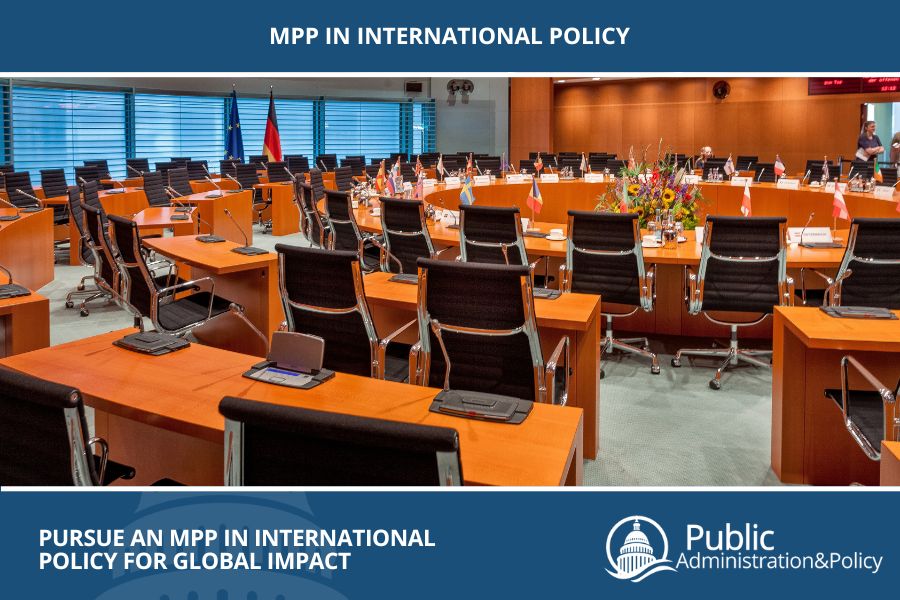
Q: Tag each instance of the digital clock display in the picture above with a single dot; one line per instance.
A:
(852, 85)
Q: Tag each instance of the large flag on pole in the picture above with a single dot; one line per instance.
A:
(272, 141)
(746, 209)
(234, 142)
(534, 200)
(840, 207)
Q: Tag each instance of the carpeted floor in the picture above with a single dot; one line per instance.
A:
(655, 430)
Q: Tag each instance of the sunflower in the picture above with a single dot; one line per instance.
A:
(633, 189)
(639, 210)
(668, 197)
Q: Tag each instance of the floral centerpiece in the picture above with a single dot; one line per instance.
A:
(647, 187)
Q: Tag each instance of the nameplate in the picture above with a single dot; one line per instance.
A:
(829, 188)
(788, 184)
(517, 178)
(481, 180)
(884, 192)
(741, 181)
(407, 186)
(593, 177)
(810, 235)
(549, 177)
(692, 179)
(452, 181)
(430, 181)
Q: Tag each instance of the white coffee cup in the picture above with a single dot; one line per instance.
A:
(354, 203)
(557, 233)
(376, 211)
(698, 231)
(525, 222)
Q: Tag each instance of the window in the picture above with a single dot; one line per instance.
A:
(423, 127)
(295, 125)
(55, 128)
(168, 126)
(371, 129)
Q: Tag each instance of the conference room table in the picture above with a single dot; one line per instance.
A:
(890, 463)
(157, 218)
(24, 322)
(810, 443)
(160, 414)
(26, 247)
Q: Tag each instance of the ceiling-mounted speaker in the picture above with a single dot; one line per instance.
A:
(721, 89)
(413, 87)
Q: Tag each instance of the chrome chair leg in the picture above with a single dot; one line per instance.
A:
(627, 345)
(733, 356)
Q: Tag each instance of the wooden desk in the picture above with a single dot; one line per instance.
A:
(160, 414)
(26, 247)
(809, 441)
(890, 463)
(127, 182)
(251, 281)
(575, 315)
(212, 217)
(125, 204)
(223, 183)
(24, 323)
(160, 217)
(283, 212)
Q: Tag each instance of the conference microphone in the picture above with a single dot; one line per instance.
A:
(218, 192)
(291, 175)
(761, 171)
(808, 172)
(207, 238)
(849, 174)
(12, 206)
(246, 249)
(478, 168)
(120, 190)
(35, 208)
(808, 221)
(182, 207)
(324, 167)
(240, 187)
(133, 170)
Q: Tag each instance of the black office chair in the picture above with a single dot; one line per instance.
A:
(746, 162)
(480, 319)
(271, 444)
(136, 167)
(45, 436)
(102, 167)
(318, 185)
(258, 161)
(197, 170)
(489, 163)
(406, 238)
(278, 172)
(172, 306)
(323, 294)
(297, 163)
(743, 269)
(889, 176)
(87, 257)
(604, 256)
(816, 168)
(526, 165)
(106, 273)
(327, 162)
(165, 167)
(229, 167)
(493, 234)
(20, 191)
(344, 233)
(870, 416)
(155, 189)
(181, 161)
(343, 179)
(869, 274)
(864, 169)
(179, 182)
(53, 182)
(356, 164)
(765, 172)
(614, 166)
(408, 171)
(312, 225)
(372, 170)
(83, 174)
(711, 164)
(247, 178)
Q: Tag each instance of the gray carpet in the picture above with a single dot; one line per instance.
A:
(655, 430)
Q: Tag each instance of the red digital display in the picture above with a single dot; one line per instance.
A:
(852, 85)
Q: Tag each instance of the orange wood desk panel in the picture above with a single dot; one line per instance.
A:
(26, 247)
(283, 212)
(251, 281)
(212, 218)
(160, 217)
(24, 323)
(223, 183)
(809, 441)
(160, 414)
(125, 204)
(127, 182)
(890, 463)
(575, 315)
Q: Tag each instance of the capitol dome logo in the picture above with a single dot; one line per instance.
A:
(636, 558)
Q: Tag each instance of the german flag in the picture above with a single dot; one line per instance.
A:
(272, 141)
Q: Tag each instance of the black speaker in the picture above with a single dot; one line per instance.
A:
(721, 89)
(413, 87)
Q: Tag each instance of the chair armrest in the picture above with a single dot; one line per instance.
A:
(828, 281)
(832, 292)
(170, 290)
(385, 256)
(648, 288)
(870, 447)
(694, 296)
(415, 364)
(383, 344)
(104, 455)
(787, 295)
(550, 372)
(564, 284)
(442, 250)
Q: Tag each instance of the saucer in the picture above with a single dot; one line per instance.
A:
(556, 239)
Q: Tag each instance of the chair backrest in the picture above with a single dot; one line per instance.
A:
(714, 163)
(102, 167)
(343, 179)
(322, 293)
(165, 167)
(314, 230)
(742, 264)
(53, 181)
(815, 168)
(86, 173)
(491, 234)
(270, 444)
(745, 162)
(141, 165)
(355, 163)
(180, 181)
(101, 248)
(372, 170)
(345, 233)
(277, 172)
(7, 168)
(408, 171)
(18, 188)
(615, 165)
(765, 172)
(155, 189)
(526, 165)
(604, 256)
(197, 170)
(181, 161)
(317, 184)
(406, 236)
(889, 176)
(328, 161)
(44, 432)
(228, 167)
(487, 325)
(873, 259)
(258, 160)
(138, 289)
(90, 191)
(297, 163)
(77, 215)
(864, 168)
(246, 175)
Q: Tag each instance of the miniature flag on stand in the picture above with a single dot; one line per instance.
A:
(534, 200)
(840, 207)
(538, 164)
(778, 166)
(395, 170)
(632, 165)
(504, 164)
(390, 187)
(379, 179)
(469, 168)
(419, 190)
(746, 208)
(825, 170)
(440, 166)
(585, 167)
(272, 141)
(465, 194)
(419, 167)
(729, 167)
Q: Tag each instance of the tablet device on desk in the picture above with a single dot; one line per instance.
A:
(546, 293)
(405, 278)
(857, 312)
(152, 342)
(12, 290)
(179, 217)
(9, 217)
(821, 245)
(481, 406)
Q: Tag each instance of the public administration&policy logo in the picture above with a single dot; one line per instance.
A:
(636, 558)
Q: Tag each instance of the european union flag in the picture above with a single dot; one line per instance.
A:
(234, 141)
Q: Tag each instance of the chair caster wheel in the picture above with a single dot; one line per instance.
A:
(80, 287)
(654, 370)
(70, 304)
(84, 312)
(715, 384)
(676, 362)
(602, 374)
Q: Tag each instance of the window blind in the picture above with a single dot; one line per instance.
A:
(169, 126)
(295, 125)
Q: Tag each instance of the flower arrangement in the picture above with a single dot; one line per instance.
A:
(644, 188)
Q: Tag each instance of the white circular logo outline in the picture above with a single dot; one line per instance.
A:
(665, 552)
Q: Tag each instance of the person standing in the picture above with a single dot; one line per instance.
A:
(868, 145)
(895, 149)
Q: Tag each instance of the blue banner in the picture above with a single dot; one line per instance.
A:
(289, 545)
